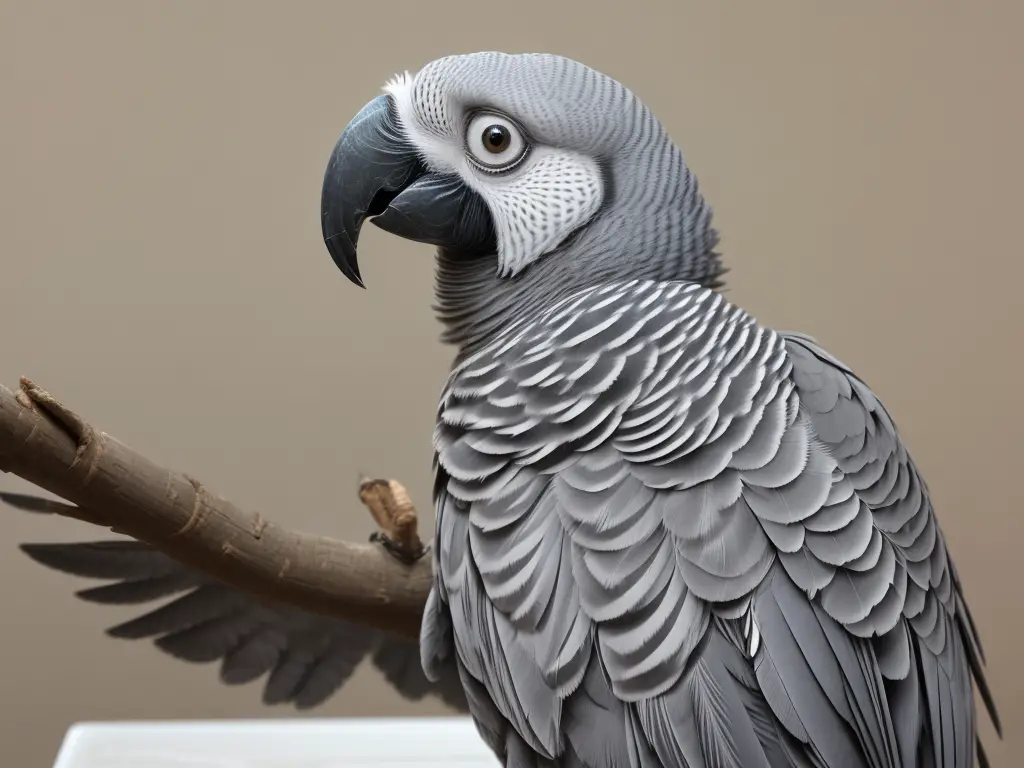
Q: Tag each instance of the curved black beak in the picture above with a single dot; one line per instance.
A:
(374, 172)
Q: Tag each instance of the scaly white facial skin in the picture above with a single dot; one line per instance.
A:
(534, 205)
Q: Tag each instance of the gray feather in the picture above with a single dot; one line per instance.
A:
(675, 511)
(306, 658)
(702, 721)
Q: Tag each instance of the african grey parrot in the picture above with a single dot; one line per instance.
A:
(666, 535)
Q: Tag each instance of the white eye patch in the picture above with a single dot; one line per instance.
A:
(537, 195)
(543, 201)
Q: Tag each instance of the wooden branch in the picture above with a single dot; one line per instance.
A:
(44, 442)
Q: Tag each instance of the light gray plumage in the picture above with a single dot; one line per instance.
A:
(667, 535)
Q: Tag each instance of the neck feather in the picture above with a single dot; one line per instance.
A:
(644, 231)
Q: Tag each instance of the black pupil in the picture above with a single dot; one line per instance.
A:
(497, 138)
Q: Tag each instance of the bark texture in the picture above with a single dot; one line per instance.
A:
(48, 444)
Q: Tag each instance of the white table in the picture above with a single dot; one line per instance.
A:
(398, 742)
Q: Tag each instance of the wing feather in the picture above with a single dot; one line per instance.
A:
(306, 659)
(925, 640)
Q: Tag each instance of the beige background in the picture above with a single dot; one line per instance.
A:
(162, 268)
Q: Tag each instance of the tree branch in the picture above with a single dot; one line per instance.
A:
(44, 442)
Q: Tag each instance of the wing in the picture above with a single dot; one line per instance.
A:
(632, 483)
(923, 635)
(306, 658)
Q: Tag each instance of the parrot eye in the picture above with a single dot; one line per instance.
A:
(495, 144)
(497, 138)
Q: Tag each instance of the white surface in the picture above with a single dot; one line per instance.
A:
(351, 742)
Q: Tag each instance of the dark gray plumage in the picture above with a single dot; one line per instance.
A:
(305, 659)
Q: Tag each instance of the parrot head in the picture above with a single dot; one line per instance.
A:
(515, 161)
